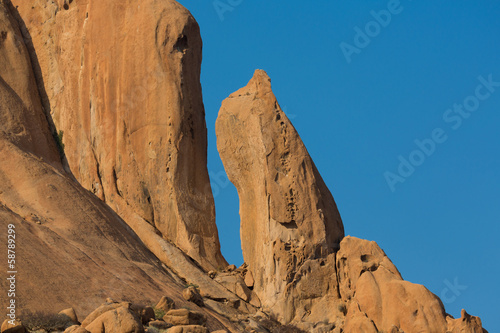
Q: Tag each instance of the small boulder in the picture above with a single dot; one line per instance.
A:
(188, 329)
(249, 281)
(70, 315)
(159, 324)
(120, 320)
(103, 309)
(192, 294)
(146, 313)
(231, 268)
(166, 304)
(76, 329)
(184, 317)
(7, 327)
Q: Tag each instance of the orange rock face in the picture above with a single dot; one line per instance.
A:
(70, 245)
(121, 80)
(288, 215)
(291, 229)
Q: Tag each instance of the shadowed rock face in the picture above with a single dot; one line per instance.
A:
(288, 215)
(121, 80)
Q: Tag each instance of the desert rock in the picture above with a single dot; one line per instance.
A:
(188, 329)
(184, 317)
(75, 329)
(70, 314)
(7, 327)
(288, 215)
(126, 95)
(166, 304)
(191, 294)
(63, 228)
(119, 320)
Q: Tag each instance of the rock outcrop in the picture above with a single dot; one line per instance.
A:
(302, 268)
(289, 219)
(121, 81)
(70, 244)
(73, 249)
(103, 178)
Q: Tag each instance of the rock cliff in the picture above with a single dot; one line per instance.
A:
(121, 81)
(103, 177)
(71, 248)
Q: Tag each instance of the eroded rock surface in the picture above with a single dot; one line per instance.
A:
(288, 215)
(303, 269)
(121, 80)
(73, 248)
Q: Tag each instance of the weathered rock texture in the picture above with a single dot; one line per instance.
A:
(291, 230)
(72, 249)
(121, 80)
(288, 215)
(70, 245)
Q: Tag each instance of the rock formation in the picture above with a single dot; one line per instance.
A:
(103, 178)
(289, 219)
(304, 271)
(70, 244)
(121, 81)
(72, 249)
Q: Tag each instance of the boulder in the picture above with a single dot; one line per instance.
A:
(166, 304)
(188, 329)
(192, 294)
(119, 320)
(70, 314)
(184, 317)
(146, 313)
(235, 283)
(8, 327)
(103, 309)
(75, 329)
(159, 324)
(370, 280)
(249, 281)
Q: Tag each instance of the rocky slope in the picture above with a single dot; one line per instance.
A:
(103, 175)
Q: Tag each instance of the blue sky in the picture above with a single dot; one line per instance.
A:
(360, 101)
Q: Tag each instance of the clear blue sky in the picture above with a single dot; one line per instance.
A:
(407, 82)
